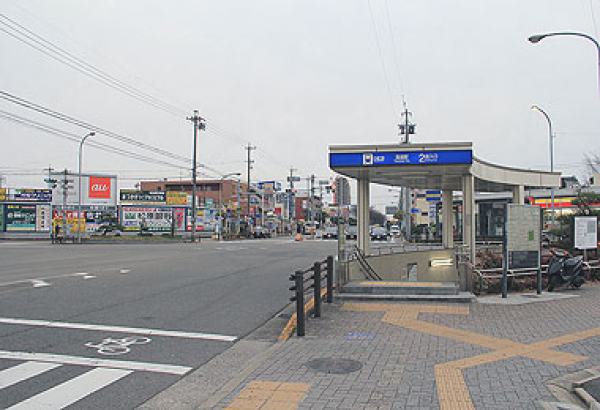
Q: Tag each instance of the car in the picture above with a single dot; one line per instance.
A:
(261, 232)
(331, 232)
(395, 230)
(352, 232)
(379, 233)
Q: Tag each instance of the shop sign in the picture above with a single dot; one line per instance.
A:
(20, 218)
(176, 198)
(2, 194)
(143, 197)
(1, 218)
(38, 195)
(43, 218)
(99, 187)
(147, 218)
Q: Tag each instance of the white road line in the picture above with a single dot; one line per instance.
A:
(120, 329)
(72, 390)
(39, 283)
(124, 271)
(92, 362)
(23, 371)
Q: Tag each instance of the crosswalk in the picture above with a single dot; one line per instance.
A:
(102, 373)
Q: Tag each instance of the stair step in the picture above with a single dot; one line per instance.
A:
(401, 288)
(461, 297)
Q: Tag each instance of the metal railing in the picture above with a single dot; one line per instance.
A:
(303, 284)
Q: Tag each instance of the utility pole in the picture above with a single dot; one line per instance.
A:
(249, 148)
(407, 128)
(65, 187)
(312, 206)
(198, 125)
(291, 201)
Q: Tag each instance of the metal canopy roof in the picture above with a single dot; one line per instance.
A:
(432, 166)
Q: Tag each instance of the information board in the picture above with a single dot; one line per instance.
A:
(523, 229)
(586, 232)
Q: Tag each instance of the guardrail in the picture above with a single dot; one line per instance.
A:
(589, 270)
(302, 285)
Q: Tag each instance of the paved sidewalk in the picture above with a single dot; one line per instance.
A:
(365, 355)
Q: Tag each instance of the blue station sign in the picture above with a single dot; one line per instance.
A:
(366, 159)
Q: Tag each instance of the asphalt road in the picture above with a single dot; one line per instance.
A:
(57, 300)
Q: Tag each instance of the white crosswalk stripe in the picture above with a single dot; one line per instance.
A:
(23, 371)
(72, 390)
(102, 373)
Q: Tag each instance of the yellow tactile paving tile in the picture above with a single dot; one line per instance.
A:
(569, 338)
(263, 395)
(452, 389)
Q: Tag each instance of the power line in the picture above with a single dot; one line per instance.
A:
(57, 53)
(394, 49)
(76, 138)
(63, 117)
(383, 67)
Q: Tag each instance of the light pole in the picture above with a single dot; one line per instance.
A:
(551, 137)
(91, 134)
(539, 37)
(220, 198)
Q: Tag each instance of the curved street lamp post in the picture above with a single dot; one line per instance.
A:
(551, 137)
(91, 134)
(539, 37)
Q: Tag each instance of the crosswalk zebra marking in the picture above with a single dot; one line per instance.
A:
(92, 362)
(73, 390)
(24, 371)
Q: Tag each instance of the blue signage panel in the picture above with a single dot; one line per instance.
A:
(366, 159)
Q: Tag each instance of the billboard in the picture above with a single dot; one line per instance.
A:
(20, 218)
(98, 190)
(176, 198)
(143, 197)
(152, 219)
(32, 195)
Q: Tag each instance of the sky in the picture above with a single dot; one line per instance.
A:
(291, 78)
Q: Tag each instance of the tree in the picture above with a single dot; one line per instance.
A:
(585, 201)
(376, 217)
(592, 162)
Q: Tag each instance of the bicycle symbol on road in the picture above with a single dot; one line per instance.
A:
(115, 347)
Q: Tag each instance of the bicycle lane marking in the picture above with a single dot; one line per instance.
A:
(120, 329)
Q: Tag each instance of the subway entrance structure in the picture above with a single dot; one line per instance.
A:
(448, 167)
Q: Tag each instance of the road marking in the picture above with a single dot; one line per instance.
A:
(37, 283)
(124, 271)
(72, 390)
(84, 275)
(92, 362)
(120, 329)
(23, 371)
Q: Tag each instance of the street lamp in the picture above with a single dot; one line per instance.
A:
(91, 134)
(220, 198)
(551, 137)
(539, 37)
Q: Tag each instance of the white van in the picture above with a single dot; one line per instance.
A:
(395, 230)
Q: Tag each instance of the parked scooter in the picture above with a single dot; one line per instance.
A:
(564, 269)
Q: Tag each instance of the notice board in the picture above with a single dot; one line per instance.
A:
(523, 234)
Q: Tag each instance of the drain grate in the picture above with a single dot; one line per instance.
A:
(332, 365)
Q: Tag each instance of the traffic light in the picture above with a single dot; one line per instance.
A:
(51, 182)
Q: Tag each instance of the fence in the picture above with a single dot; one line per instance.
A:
(302, 285)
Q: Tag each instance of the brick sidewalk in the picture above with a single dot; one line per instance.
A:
(429, 356)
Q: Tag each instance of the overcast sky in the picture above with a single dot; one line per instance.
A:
(292, 77)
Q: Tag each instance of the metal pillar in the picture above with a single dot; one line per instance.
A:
(364, 237)
(447, 219)
(468, 187)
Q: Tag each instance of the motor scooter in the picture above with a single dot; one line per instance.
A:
(564, 269)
